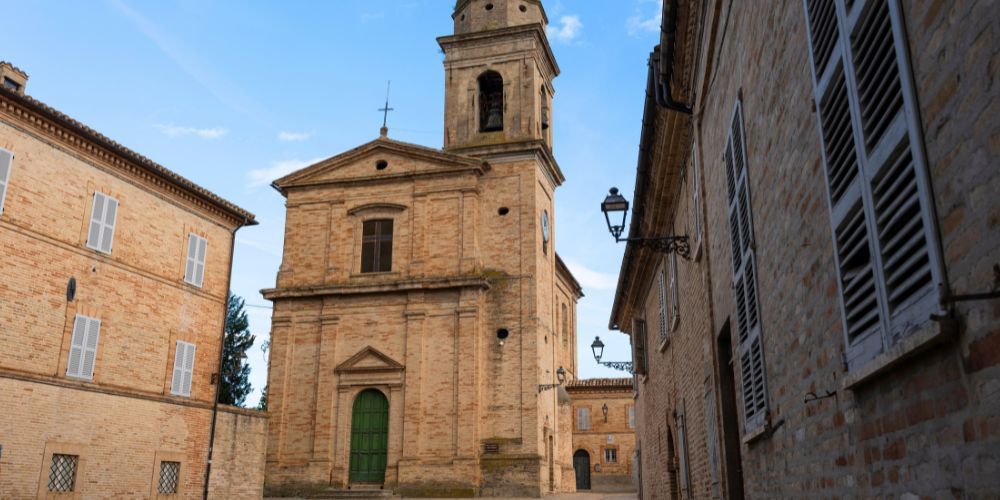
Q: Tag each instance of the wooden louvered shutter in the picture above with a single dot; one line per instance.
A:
(881, 211)
(76, 346)
(639, 346)
(194, 270)
(6, 165)
(751, 349)
(188, 370)
(110, 217)
(662, 295)
(100, 235)
(90, 348)
(177, 378)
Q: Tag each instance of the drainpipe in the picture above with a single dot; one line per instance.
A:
(664, 95)
(222, 347)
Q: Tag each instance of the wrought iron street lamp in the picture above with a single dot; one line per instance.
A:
(598, 348)
(560, 376)
(615, 206)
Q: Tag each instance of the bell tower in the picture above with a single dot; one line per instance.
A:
(498, 77)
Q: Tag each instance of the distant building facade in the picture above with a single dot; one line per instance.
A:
(835, 331)
(603, 433)
(420, 302)
(112, 299)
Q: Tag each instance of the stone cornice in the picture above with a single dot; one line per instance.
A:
(535, 147)
(54, 126)
(388, 286)
(492, 36)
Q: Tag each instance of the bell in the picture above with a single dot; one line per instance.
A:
(494, 120)
(545, 119)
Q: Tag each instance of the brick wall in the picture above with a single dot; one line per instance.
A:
(615, 433)
(926, 426)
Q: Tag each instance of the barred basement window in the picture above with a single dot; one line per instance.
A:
(751, 350)
(169, 474)
(376, 246)
(881, 210)
(611, 455)
(62, 473)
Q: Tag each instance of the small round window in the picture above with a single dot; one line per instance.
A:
(489, 6)
(381, 165)
(523, 8)
(502, 333)
(503, 211)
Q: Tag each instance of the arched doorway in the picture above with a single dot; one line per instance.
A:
(581, 464)
(369, 437)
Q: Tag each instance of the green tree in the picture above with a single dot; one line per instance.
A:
(235, 382)
(262, 404)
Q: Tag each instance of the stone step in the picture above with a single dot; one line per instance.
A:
(354, 493)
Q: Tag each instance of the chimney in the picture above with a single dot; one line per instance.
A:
(12, 78)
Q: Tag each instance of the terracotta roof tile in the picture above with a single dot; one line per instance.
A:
(600, 383)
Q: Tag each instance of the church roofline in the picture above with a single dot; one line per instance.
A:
(570, 279)
(535, 29)
(463, 163)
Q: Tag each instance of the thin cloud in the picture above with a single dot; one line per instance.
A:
(264, 176)
(648, 22)
(567, 29)
(190, 63)
(293, 136)
(591, 279)
(204, 133)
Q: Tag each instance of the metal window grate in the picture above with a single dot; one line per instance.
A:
(169, 475)
(62, 475)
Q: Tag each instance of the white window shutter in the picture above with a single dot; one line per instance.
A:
(675, 305)
(177, 378)
(188, 369)
(6, 165)
(76, 346)
(90, 348)
(190, 262)
(110, 217)
(661, 286)
(881, 210)
(751, 351)
(96, 222)
(202, 254)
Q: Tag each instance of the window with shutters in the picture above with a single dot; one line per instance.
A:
(675, 301)
(565, 325)
(376, 246)
(639, 346)
(83, 347)
(194, 269)
(631, 417)
(583, 419)
(881, 211)
(180, 383)
(101, 233)
(661, 288)
(610, 455)
(696, 201)
(684, 472)
(751, 349)
(62, 473)
(6, 165)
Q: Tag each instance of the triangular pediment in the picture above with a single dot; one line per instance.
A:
(369, 359)
(364, 163)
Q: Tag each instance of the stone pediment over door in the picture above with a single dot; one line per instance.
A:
(370, 367)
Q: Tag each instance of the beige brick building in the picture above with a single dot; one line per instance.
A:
(420, 301)
(112, 298)
(835, 331)
(603, 433)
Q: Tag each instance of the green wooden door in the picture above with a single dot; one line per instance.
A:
(369, 437)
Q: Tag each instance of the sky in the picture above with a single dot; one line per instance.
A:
(233, 94)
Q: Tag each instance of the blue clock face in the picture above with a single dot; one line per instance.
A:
(545, 226)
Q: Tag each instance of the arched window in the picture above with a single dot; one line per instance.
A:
(545, 107)
(490, 102)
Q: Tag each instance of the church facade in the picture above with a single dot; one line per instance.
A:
(420, 309)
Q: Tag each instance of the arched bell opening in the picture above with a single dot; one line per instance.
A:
(490, 102)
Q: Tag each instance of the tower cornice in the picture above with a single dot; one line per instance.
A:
(492, 36)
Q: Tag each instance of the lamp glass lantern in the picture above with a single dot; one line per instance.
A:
(561, 375)
(615, 206)
(598, 348)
